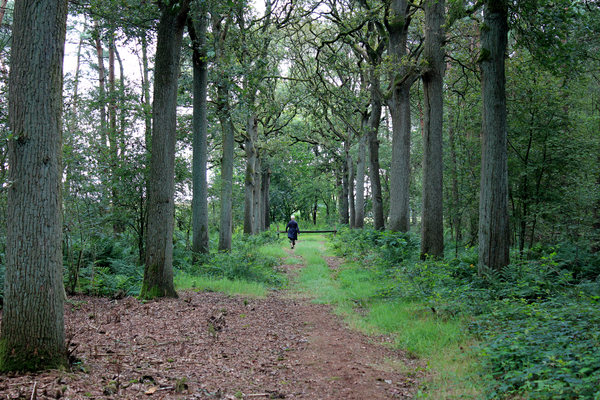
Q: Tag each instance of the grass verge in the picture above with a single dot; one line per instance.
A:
(229, 286)
(354, 292)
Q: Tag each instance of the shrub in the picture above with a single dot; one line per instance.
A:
(244, 262)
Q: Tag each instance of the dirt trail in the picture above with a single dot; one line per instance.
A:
(208, 345)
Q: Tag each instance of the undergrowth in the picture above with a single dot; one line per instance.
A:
(536, 321)
(245, 262)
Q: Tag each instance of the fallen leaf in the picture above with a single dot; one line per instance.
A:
(152, 390)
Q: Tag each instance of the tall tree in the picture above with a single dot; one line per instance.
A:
(361, 160)
(197, 28)
(494, 232)
(33, 334)
(398, 101)
(432, 217)
(220, 26)
(374, 120)
(158, 272)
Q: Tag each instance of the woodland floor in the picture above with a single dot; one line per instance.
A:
(209, 345)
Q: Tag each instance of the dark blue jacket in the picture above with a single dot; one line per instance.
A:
(292, 230)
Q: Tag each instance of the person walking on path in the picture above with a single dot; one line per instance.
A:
(292, 231)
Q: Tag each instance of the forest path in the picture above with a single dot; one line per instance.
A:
(208, 345)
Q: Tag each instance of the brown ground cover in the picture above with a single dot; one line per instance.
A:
(209, 345)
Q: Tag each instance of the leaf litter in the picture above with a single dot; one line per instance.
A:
(208, 345)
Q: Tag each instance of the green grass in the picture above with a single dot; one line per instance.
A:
(354, 293)
(231, 287)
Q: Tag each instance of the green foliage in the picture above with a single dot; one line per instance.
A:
(108, 268)
(536, 320)
(390, 248)
(245, 262)
(548, 349)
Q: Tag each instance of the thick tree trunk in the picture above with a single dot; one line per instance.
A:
(432, 218)
(456, 205)
(399, 105)
(351, 199)
(228, 130)
(257, 209)
(249, 182)
(493, 202)
(374, 121)
(33, 333)
(266, 182)
(158, 273)
(200, 228)
(226, 218)
(361, 162)
(344, 217)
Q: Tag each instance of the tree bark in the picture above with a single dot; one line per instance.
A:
(146, 93)
(158, 272)
(493, 201)
(374, 122)
(101, 77)
(351, 198)
(360, 175)
(456, 204)
(399, 105)
(344, 216)
(432, 217)
(145, 103)
(226, 217)
(249, 182)
(266, 181)
(257, 209)
(113, 135)
(33, 333)
(200, 228)
(228, 130)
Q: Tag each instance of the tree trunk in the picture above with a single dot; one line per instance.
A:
(146, 94)
(101, 78)
(113, 135)
(143, 195)
(158, 273)
(456, 205)
(399, 105)
(266, 181)
(122, 112)
(226, 122)
(432, 218)
(33, 333)
(249, 182)
(493, 201)
(351, 199)
(257, 209)
(200, 237)
(374, 121)
(344, 217)
(360, 175)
